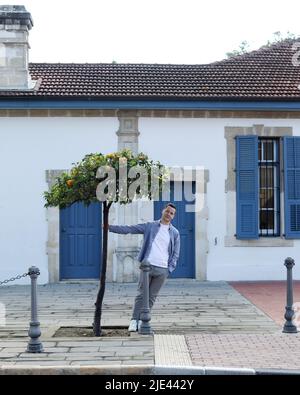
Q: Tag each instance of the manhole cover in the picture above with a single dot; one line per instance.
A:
(87, 331)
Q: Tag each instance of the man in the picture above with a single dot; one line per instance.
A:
(161, 246)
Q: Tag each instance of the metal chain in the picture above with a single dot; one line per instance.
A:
(14, 278)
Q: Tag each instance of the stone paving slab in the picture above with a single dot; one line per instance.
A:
(182, 306)
(67, 351)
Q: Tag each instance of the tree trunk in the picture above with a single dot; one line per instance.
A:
(100, 296)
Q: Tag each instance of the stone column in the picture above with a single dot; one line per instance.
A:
(128, 134)
(52, 246)
(125, 256)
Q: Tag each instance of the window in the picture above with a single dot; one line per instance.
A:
(269, 188)
(258, 189)
(292, 187)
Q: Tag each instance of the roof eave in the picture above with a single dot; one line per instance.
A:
(149, 104)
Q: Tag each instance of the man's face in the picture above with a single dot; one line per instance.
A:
(168, 213)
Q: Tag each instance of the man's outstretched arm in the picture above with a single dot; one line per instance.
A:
(126, 229)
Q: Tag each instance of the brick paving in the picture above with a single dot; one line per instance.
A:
(257, 351)
(268, 296)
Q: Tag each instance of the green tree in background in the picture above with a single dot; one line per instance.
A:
(277, 37)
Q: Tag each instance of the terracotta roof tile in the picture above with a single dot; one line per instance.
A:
(265, 74)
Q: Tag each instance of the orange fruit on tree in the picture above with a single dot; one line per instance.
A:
(70, 183)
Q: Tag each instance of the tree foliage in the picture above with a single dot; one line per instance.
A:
(80, 183)
(243, 48)
(277, 37)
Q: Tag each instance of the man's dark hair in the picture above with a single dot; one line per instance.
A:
(171, 205)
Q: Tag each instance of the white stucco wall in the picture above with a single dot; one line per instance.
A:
(186, 142)
(28, 147)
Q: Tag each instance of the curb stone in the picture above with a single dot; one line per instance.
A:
(77, 370)
(148, 370)
(263, 372)
(201, 370)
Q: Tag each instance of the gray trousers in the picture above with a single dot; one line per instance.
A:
(157, 278)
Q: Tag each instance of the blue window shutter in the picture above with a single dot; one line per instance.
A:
(247, 187)
(292, 187)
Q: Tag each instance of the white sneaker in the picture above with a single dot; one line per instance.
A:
(133, 326)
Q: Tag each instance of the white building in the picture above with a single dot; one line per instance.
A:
(238, 119)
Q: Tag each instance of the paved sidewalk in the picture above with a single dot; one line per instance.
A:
(198, 327)
(268, 296)
(255, 351)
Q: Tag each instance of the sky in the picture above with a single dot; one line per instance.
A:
(153, 31)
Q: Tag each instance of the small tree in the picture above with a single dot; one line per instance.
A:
(116, 177)
(243, 48)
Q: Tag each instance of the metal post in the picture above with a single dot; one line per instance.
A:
(289, 327)
(145, 328)
(34, 344)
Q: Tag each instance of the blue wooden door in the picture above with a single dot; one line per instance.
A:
(80, 241)
(185, 223)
